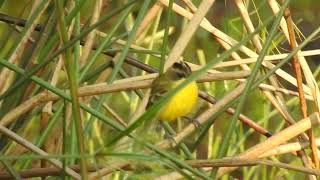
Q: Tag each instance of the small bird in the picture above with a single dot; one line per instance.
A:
(183, 101)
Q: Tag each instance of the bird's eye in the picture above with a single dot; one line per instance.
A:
(177, 65)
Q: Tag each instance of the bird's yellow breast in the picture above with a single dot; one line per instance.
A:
(181, 103)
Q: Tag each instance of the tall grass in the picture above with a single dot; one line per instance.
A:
(75, 79)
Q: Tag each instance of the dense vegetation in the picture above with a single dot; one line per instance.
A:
(75, 80)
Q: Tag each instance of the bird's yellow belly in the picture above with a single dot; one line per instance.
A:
(181, 103)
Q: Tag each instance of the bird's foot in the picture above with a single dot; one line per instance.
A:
(195, 122)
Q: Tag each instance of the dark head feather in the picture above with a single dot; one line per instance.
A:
(180, 69)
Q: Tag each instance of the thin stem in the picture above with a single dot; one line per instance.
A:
(73, 83)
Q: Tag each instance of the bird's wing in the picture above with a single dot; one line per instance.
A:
(159, 87)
